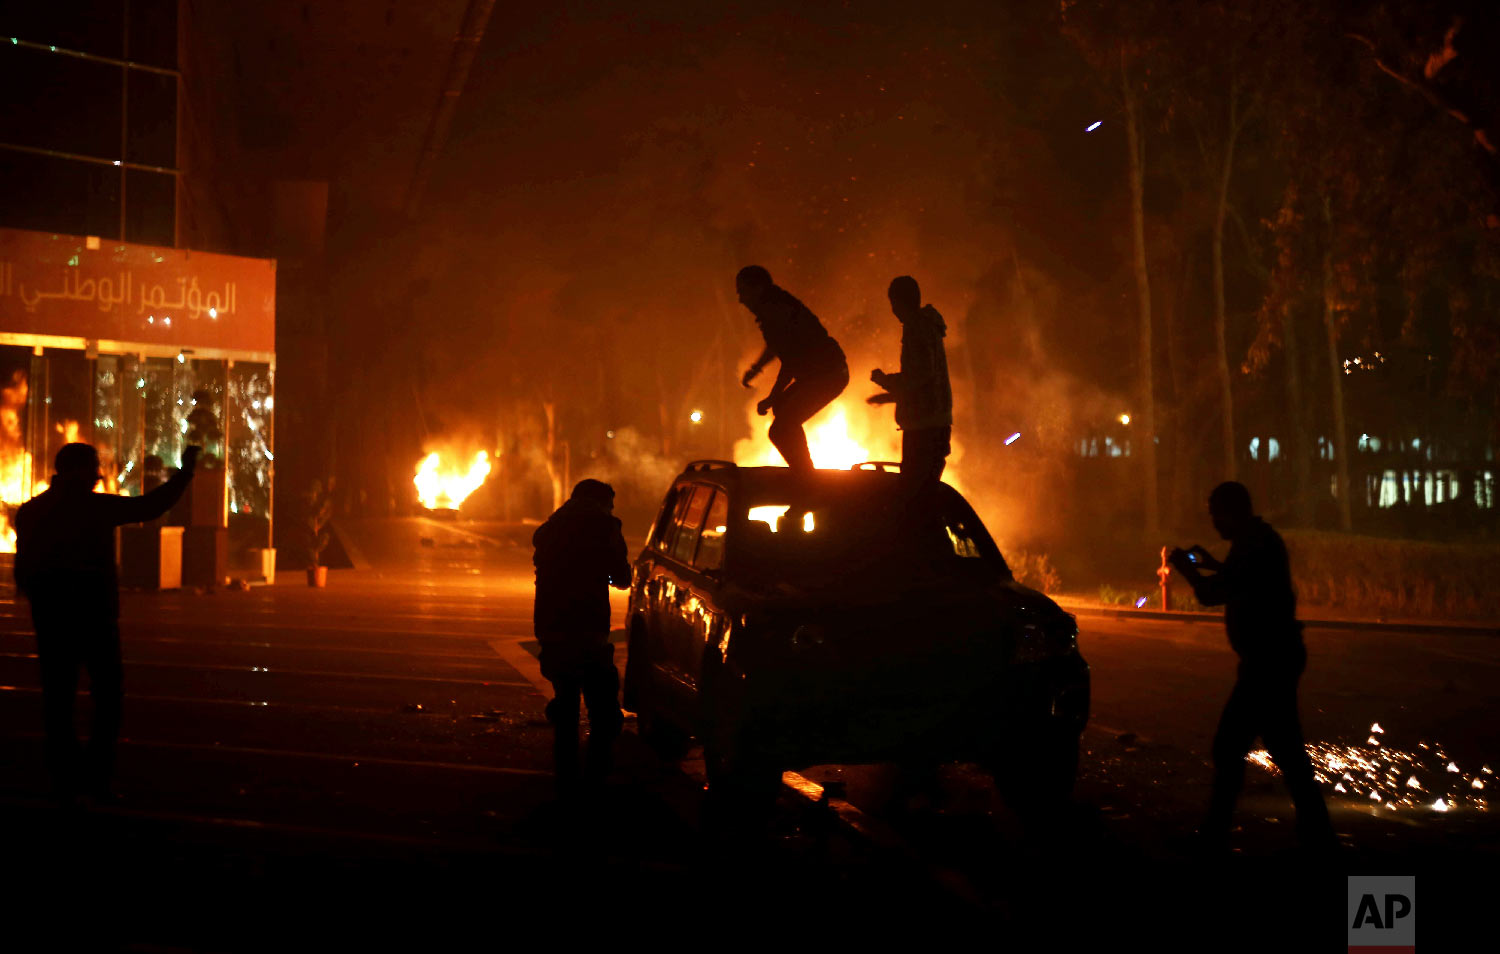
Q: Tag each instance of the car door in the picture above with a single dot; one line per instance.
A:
(678, 581)
(655, 600)
(702, 619)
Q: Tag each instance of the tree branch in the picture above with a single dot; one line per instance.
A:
(1427, 92)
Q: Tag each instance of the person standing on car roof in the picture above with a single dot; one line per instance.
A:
(813, 371)
(920, 390)
(580, 554)
(1254, 585)
(65, 565)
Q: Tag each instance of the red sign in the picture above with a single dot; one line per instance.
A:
(70, 286)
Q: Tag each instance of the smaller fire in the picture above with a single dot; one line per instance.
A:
(443, 486)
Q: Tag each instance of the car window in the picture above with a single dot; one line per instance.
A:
(969, 539)
(855, 535)
(671, 516)
(685, 541)
(963, 541)
(711, 544)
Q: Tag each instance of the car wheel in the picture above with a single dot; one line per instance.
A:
(1038, 774)
(742, 782)
(742, 789)
(668, 741)
(635, 668)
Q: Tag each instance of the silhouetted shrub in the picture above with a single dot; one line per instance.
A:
(1034, 570)
(1382, 577)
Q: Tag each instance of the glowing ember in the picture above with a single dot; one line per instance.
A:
(1375, 727)
(1262, 758)
(1390, 777)
(443, 486)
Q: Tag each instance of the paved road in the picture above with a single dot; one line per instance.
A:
(383, 741)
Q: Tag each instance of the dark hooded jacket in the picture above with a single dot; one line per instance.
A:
(1255, 589)
(924, 398)
(795, 335)
(65, 540)
(580, 553)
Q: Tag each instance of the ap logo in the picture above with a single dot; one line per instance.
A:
(1382, 915)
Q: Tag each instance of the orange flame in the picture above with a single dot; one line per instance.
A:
(845, 433)
(443, 486)
(15, 461)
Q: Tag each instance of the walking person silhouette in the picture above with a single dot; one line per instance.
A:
(65, 565)
(1254, 585)
(813, 371)
(580, 554)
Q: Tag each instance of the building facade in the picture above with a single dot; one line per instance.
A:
(111, 331)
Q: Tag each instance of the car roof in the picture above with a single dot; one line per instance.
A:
(758, 482)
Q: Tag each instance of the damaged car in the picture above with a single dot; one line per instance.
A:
(787, 621)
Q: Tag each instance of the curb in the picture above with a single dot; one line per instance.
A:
(1366, 625)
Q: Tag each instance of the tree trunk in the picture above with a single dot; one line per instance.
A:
(1335, 374)
(1177, 421)
(1226, 395)
(1145, 418)
(664, 416)
(553, 473)
(1299, 448)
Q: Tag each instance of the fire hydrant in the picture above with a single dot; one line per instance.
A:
(1164, 575)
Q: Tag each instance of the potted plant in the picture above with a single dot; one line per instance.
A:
(317, 511)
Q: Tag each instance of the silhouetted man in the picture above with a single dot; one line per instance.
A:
(65, 564)
(813, 371)
(923, 396)
(580, 554)
(1254, 585)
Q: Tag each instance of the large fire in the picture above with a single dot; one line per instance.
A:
(442, 484)
(845, 433)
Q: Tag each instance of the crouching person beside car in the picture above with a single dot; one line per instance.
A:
(580, 553)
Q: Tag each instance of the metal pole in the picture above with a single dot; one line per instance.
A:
(124, 111)
(179, 184)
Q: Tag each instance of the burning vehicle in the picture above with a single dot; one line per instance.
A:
(443, 485)
(789, 622)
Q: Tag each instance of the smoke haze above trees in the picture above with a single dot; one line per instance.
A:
(608, 173)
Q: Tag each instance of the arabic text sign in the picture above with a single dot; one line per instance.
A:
(57, 285)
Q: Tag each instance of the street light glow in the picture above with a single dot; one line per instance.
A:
(696, 417)
(1124, 418)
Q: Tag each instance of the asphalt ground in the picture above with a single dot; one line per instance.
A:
(369, 765)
